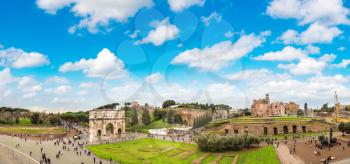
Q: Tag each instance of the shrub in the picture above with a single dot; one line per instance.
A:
(216, 143)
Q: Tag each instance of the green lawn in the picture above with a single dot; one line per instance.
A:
(209, 159)
(226, 159)
(266, 155)
(154, 125)
(31, 130)
(159, 152)
(147, 151)
(25, 122)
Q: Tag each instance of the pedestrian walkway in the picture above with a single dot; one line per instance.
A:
(49, 148)
(285, 156)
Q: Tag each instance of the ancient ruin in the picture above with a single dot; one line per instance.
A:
(106, 123)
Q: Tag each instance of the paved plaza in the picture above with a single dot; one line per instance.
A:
(49, 148)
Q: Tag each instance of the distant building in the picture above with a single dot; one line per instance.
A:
(279, 109)
(292, 108)
(263, 108)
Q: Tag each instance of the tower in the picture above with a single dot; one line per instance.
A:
(336, 106)
(267, 98)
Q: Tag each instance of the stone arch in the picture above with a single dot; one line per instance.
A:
(275, 131)
(265, 130)
(294, 129)
(119, 131)
(109, 129)
(285, 130)
(235, 131)
(99, 133)
(303, 129)
(226, 131)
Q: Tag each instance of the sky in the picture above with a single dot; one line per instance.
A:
(72, 55)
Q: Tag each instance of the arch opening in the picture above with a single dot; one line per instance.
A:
(109, 129)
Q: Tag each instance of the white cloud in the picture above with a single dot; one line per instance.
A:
(288, 53)
(62, 89)
(311, 35)
(6, 77)
(96, 13)
(343, 64)
(213, 16)
(180, 5)
(255, 75)
(29, 86)
(163, 32)
(310, 49)
(290, 36)
(328, 12)
(229, 34)
(221, 54)
(328, 58)
(88, 85)
(153, 78)
(18, 58)
(134, 34)
(57, 80)
(341, 48)
(106, 65)
(51, 6)
(305, 66)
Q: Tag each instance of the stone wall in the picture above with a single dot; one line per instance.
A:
(273, 128)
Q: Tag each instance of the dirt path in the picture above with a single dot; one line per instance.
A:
(198, 160)
(285, 157)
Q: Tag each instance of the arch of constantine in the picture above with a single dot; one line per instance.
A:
(106, 123)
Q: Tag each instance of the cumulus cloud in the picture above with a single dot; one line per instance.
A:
(343, 64)
(163, 32)
(180, 5)
(305, 66)
(29, 86)
(288, 53)
(221, 54)
(51, 6)
(153, 78)
(311, 35)
(95, 14)
(328, 12)
(213, 16)
(62, 89)
(88, 85)
(6, 77)
(18, 58)
(57, 80)
(106, 65)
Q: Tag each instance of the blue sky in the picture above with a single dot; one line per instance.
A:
(59, 55)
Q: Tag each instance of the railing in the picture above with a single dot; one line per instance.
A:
(15, 156)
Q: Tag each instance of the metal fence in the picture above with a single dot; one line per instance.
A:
(14, 156)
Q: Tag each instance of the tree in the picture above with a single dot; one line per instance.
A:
(171, 116)
(168, 103)
(178, 119)
(146, 119)
(341, 127)
(300, 112)
(157, 114)
(134, 117)
(35, 118)
(54, 120)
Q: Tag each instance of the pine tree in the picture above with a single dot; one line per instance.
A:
(134, 117)
(146, 118)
